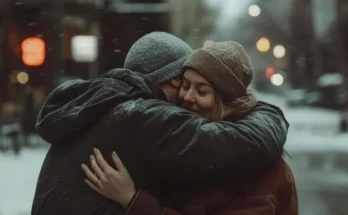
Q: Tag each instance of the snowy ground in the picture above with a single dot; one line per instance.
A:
(316, 121)
(19, 174)
(18, 180)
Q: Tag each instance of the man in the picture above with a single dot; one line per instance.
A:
(162, 145)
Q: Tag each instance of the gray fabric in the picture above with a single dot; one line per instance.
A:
(75, 106)
(158, 55)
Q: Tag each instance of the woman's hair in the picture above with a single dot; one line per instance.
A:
(235, 109)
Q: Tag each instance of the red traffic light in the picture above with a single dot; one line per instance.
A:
(269, 71)
(33, 51)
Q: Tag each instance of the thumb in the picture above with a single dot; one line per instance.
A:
(225, 112)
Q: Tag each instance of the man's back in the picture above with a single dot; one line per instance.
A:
(61, 188)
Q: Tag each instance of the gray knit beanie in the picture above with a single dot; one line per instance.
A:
(225, 65)
(158, 55)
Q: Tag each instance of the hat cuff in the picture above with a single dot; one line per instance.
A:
(168, 72)
(213, 69)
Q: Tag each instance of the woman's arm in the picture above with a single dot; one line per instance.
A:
(117, 185)
(252, 204)
(146, 204)
(288, 199)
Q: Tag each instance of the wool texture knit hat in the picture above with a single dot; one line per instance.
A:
(158, 55)
(225, 65)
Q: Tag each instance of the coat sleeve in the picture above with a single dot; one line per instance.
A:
(254, 205)
(288, 199)
(178, 144)
(146, 204)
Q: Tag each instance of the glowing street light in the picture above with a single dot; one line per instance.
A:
(277, 79)
(270, 71)
(33, 51)
(22, 77)
(254, 10)
(279, 51)
(84, 48)
(263, 44)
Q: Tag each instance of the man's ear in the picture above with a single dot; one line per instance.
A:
(176, 82)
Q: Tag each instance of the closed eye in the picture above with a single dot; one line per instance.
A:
(202, 93)
(204, 90)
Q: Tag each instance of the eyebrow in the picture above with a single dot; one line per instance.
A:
(199, 83)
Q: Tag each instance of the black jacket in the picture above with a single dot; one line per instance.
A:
(159, 143)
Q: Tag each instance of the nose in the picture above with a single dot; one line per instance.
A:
(189, 96)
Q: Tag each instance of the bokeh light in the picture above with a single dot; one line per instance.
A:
(22, 77)
(263, 44)
(277, 79)
(254, 10)
(279, 51)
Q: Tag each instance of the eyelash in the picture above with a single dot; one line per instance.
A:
(199, 92)
(202, 93)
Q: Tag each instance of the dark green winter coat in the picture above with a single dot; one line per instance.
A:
(161, 145)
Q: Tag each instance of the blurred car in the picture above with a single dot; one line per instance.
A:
(320, 167)
(10, 131)
(344, 118)
(330, 89)
(295, 97)
(304, 97)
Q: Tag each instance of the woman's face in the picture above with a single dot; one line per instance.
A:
(196, 94)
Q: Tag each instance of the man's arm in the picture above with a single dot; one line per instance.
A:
(178, 144)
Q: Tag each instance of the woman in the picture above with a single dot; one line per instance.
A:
(215, 84)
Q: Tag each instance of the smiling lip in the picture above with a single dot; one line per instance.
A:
(191, 110)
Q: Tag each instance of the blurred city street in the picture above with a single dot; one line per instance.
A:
(304, 137)
(298, 48)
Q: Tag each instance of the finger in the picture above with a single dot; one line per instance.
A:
(91, 176)
(93, 186)
(101, 161)
(118, 163)
(97, 170)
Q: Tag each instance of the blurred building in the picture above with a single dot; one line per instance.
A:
(193, 20)
(300, 39)
(83, 38)
(44, 43)
(305, 41)
(47, 42)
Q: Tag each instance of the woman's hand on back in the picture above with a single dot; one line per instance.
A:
(115, 184)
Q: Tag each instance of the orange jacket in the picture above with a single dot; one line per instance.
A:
(270, 193)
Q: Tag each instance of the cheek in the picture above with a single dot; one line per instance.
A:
(206, 102)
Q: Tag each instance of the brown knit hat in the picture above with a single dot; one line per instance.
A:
(225, 65)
